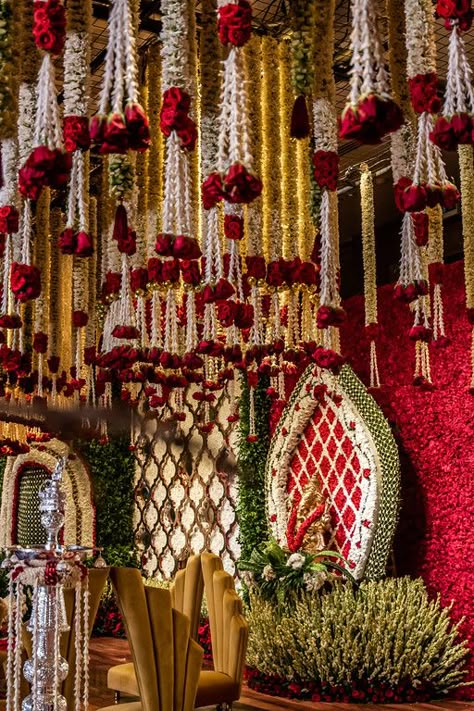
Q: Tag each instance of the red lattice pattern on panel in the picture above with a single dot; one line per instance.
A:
(326, 450)
(186, 491)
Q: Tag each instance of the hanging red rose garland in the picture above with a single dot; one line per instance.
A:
(454, 125)
(371, 112)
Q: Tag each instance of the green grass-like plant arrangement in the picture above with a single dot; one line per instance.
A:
(349, 643)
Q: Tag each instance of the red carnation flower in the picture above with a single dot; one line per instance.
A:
(423, 93)
(9, 219)
(185, 247)
(245, 316)
(453, 9)
(240, 186)
(307, 274)
(226, 312)
(67, 241)
(212, 190)
(443, 134)
(330, 316)
(138, 127)
(164, 244)
(256, 267)
(49, 26)
(155, 270)
(326, 169)
(420, 333)
(40, 342)
(235, 23)
(170, 271)
(187, 134)
(128, 244)
(84, 245)
(450, 196)
(462, 126)
(80, 319)
(76, 133)
(233, 227)
(276, 273)
(328, 359)
(139, 279)
(25, 281)
(126, 332)
(113, 281)
(370, 119)
(177, 99)
(97, 128)
(115, 135)
(190, 272)
(436, 272)
(410, 197)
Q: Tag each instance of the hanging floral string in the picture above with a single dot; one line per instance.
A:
(428, 186)
(455, 123)
(76, 239)
(302, 20)
(368, 256)
(371, 112)
(177, 241)
(466, 168)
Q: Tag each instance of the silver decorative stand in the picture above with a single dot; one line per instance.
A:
(47, 570)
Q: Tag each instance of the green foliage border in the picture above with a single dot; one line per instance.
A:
(252, 458)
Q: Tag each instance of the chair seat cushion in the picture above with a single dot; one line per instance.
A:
(133, 706)
(214, 687)
(122, 678)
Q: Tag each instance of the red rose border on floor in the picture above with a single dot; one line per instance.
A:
(363, 489)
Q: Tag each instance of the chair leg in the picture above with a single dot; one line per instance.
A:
(116, 697)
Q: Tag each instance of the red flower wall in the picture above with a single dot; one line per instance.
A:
(435, 433)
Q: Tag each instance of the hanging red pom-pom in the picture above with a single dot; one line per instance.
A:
(120, 233)
(299, 125)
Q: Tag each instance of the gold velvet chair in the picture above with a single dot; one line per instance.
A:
(186, 597)
(167, 661)
(187, 591)
(229, 633)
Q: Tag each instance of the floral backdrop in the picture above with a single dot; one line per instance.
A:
(435, 431)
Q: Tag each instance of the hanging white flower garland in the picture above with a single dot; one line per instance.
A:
(371, 112)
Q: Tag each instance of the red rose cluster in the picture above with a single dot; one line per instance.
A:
(9, 219)
(424, 93)
(330, 316)
(78, 243)
(290, 272)
(44, 167)
(49, 26)
(237, 186)
(410, 292)
(234, 312)
(411, 197)
(76, 133)
(25, 281)
(120, 132)
(174, 116)
(448, 133)
(459, 10)
(233, 227)
(235, 23)
(371, 119)
(178, 246)
(326, 169)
